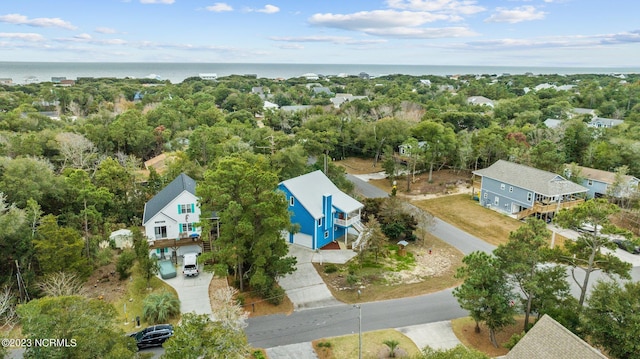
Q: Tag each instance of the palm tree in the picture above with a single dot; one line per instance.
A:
(393, 345)
(159, 307)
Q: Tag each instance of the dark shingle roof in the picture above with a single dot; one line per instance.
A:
(166, 195)
(529, 178)
(548, 339)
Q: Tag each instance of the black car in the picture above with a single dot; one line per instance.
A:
(627, 246)
(153, 336)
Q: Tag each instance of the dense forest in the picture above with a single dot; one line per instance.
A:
(71, 157)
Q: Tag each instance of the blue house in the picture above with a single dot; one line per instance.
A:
(600, 183)
(323, 212)
(521, 191)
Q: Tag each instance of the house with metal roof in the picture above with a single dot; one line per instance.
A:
(599, 182)
(522, 191)
(548, 339)
(322, 211)
(601, 122)
(480, 100)
(552, 123)
(170, 219)
(341, 98)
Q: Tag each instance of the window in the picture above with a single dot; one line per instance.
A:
(510, 189)
(326, 234)
(590, 182)
(187, 227)
(186, 208)
(291, 200)
(160, 232)
(529, 196)
(502, 186)
(319, 222)
(496, 201)
(486, 195)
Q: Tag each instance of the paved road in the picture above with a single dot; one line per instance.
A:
(304, 326)
(366, 189)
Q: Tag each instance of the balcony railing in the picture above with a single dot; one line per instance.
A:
(347, 222)
(174, 242)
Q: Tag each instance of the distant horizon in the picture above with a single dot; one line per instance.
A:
(540, 33)
(176, 72)
(325, 64)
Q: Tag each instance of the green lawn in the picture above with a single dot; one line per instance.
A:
(136, 292)
(466, 214)
(346, 347)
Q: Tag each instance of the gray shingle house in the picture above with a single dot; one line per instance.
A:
(548, 339)
(521, 190)
(598, 181)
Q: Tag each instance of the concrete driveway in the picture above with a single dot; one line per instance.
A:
(305, 288)
(193, 292)
(437, 335)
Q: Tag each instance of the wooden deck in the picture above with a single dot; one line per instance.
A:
(542, 208)
(174, 243)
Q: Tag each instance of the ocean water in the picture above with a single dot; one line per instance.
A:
(23, 72)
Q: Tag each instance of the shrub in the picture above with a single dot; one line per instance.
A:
(159, 307)
(240, 300)
(257, 354)
(124, 263)
(275, 295)
(324, 345)
(104, 256)
(330, 268)
(515, 338)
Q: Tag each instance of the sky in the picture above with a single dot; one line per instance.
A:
(560, 33)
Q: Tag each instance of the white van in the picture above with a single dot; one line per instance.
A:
(190, 264)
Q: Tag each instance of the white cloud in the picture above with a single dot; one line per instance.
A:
(291, 47)
(88, 39)
(269, 9)
(375, 19)
(83, 37)
(167, 2)
(515, 15)
(465, 7)
(219, 7)
(423, 33)
(37, 22)
(105, 30)
(22, 36)
(331, 39)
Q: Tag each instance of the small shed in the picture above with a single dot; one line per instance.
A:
(122, 238)
(402, 248)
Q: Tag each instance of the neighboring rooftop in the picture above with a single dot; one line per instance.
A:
(600, 175)
(548, 339)
(530, 178)
(308, 190)
(600, 122)
(166, 195)
(480, 100)
(552, 122)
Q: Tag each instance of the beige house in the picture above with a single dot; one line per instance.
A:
(548, 339)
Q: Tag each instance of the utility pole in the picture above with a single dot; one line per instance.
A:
(359, 329)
